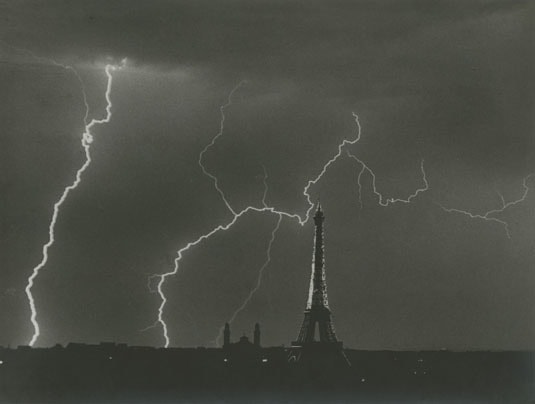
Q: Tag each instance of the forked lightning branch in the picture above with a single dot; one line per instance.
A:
(263, 207)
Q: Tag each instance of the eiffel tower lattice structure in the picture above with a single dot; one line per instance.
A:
(317, 332)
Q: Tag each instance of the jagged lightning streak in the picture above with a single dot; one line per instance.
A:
(258, 280)
(212, 177)
(264, 180)
(87, 139)
(382, 200)
(488, 216)
(57, 64)
(302, 220)
(214, 139)
(180, 253)
(246, 301)
(314, 181)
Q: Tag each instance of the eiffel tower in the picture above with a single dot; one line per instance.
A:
(318, 319)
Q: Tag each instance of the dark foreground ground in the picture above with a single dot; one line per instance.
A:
(110, 373)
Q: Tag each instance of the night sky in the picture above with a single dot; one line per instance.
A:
(449, 82)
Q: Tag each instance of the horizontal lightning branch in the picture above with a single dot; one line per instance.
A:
(489, 216)
(382, 200)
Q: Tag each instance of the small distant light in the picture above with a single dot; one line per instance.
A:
(110, 357)
(415, 372)
(425, 372)
(363, 380)
(1, 362)
(420, 360)
(264, 360)
(225, 360)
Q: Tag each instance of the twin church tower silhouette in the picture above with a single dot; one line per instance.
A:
(317, 339)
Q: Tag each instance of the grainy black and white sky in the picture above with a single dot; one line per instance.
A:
(447, 81)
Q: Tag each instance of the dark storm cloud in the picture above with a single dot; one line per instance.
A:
(463, 64)
(346, 51)
(236, 34)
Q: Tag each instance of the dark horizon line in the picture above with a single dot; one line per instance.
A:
(127, 346)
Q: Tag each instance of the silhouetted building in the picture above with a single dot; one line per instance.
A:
(244, 340)
(317, 337)
(243, 352)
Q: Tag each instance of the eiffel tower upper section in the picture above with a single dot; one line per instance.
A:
(317, 295)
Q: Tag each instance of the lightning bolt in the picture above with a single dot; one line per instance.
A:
(315, 180)
(86, 140)
(258, 280)
(215, 181)
(246, 301)
(264, 180)
(196, 242)
(489, 216)
(211, 144)
(46, 60)
(302, 220)
(382, 200)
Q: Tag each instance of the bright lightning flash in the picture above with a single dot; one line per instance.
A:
(489, 216)
(265, 208)
(87, 139)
